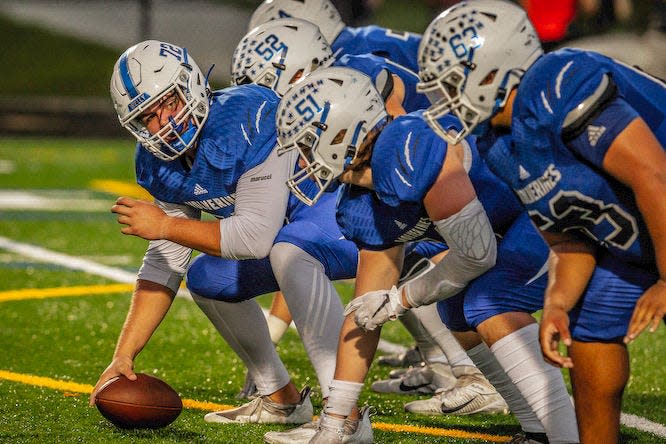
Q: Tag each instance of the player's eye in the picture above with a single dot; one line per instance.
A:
(148, 118)
(171, 102)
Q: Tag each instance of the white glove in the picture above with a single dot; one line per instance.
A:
(375, 308)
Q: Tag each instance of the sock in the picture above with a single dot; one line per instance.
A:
(343, 397)
(541, 384)
(253, 345)
(491, 369)
(276, 327)
(442, 336)
(314, 305)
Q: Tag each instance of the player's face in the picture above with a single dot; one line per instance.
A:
(162, 112)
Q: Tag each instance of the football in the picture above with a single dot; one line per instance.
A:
(147, 402)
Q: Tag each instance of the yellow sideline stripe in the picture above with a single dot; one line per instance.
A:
(83, 290)
(68, 386)
(120, 188)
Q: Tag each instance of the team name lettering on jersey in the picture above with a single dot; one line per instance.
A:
(538, 188)
(416, 232)
(213, 204)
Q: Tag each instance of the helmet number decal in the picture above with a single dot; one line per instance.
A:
(171, 50)
(270, 46)
(461, 48)
(305, 107)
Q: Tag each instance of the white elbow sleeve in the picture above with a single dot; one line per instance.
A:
(472, 251)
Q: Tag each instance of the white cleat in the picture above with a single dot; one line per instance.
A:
(423, 380)
(262, 410)
(472, 394)
(299, 435)
(352, 433)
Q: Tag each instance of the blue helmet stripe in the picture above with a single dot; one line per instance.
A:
(185, 56)
(128, 83)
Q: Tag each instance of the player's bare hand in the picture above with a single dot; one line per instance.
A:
(554, 328)
(141, 218)
(375, 308)
(649, 311)
(120, 365)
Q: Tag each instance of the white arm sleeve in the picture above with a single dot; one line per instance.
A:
(472, 251)
(261, 205)
(165, 262)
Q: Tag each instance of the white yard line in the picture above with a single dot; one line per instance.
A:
(116, 274)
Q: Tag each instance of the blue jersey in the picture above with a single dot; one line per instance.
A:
(399, 47)
(372, 65)
(555, 162)
(407, 158)
(238, 135)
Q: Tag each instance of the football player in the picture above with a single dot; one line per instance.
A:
(275, 54)
(214, 152)
(398, 46)
(404, 183)
(587, 161)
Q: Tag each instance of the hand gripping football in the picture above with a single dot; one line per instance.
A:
(147, 402)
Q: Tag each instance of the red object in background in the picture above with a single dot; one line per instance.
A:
(550, 17)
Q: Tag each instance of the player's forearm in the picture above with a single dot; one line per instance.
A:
(651, 200)
(378, 270)
(570, 268)
(199, 235)
(150, 303)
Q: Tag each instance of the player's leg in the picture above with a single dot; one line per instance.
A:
(308, 254)
(600, 373)
(499, 305)
(224, 289)
(601, 362)
(278, 321)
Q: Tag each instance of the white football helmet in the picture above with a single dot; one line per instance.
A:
(277, 53)
(145, 74)
(326, 117)
(470, 58)
(320, 12)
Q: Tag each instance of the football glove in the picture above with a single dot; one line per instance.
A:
(375, 308)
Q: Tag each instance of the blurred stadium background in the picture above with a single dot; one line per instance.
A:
(57, 56)
(59, 136)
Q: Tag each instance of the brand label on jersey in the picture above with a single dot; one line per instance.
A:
(538, 188)
(594, 133)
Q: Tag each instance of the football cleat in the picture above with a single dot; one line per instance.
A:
(529, 438)
(353, 432)
(472, 394)
(262, 410)
(409, 358)
(423, 380)
(299, 435)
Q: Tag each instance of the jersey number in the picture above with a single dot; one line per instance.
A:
(576, 211)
